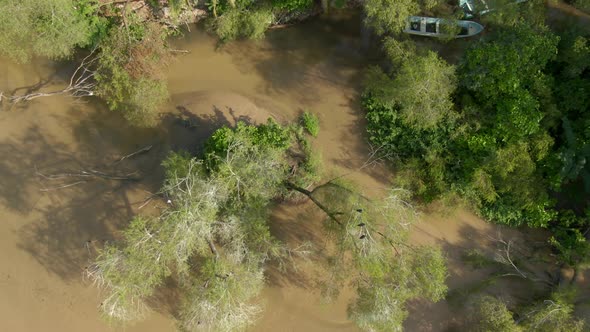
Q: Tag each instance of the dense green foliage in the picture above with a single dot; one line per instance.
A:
(420, 89)
(390, 17)
(51, 28)
(553, 314)
(569, 240)
(311, 123)
(243, 23)
(292, 5)
(128, 52)
(235, 19)
(489, 314)
(511, 138)
(385, 289)
(224, 206)
(130, 72)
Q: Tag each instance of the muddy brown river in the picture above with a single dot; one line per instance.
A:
(51, 220)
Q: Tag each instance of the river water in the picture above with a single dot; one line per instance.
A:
(50, 221)
(48, 216)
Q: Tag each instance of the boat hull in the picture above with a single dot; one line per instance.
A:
(438, 27)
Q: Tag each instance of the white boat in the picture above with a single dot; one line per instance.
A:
(472, 8)
(439, 27)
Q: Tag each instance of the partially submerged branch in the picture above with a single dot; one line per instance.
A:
(82, 176)
(81, 83)
(133, 154)
(505, 255)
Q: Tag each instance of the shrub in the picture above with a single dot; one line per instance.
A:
(242, 23)
(269, 135)
(292, 5)
(129, 74)
(51, 28)
(311, 123)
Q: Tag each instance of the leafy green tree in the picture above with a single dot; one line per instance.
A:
(371, 247)
(554, 314)
(238, 23)
(222, 206)
(422, 88)
(506, 98)
(399, 51)
(51, 28)
(507, 13)
(420, 154)
(130, 75)
(573, 98)
(411, 116)
(522, 194)
(505, 77)
(214, 237)
(384, 289)
(389, 16)
(489, 314)
(495, 150)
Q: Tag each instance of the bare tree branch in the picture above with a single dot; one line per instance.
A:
(81, 83)
(140, 151)
(62, 187)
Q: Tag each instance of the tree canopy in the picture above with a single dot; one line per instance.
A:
(130, 72)
(389, 15)
(553, 314)
(214, 237)
(421, 88)
(51, 28)
(510, 137)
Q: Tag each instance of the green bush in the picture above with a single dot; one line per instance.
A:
(269, 135)
(422, 156)
(491, 314)
(242, 23)
(311, 123)
(130, 75)
(50, 28)
(292, 5)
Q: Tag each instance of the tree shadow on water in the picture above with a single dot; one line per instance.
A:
(71, 212)
(79, 194)
(475, 268)
(17, 168)
(188, 130)
(62, 240)
(295, 225)
(291, 60)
